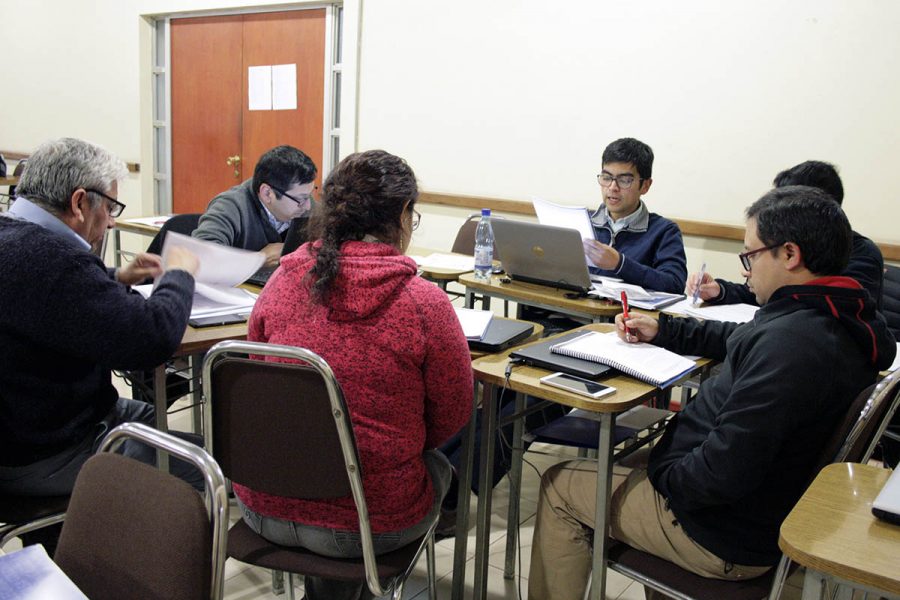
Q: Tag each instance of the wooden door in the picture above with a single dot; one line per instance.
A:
(211, 120)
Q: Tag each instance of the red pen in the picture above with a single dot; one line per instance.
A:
(625, 315)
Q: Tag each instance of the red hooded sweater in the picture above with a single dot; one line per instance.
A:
(396, 348)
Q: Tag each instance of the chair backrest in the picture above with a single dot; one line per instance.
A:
(891, 299)
(873, 418)
(133, 531)
(465, 237)
(185, 224)
(283, 428)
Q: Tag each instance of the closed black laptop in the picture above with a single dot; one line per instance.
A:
(539, 355)
(501, 334)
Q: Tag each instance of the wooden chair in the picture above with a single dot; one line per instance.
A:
(284, 429)
(133, 531)
(853, 440)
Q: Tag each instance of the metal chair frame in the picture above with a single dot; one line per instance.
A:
(348, 448)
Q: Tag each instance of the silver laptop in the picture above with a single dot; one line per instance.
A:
(887, 505)
(552, 256)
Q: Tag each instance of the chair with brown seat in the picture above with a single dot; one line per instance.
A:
(283, 429)
(133, 531)
(853, 440)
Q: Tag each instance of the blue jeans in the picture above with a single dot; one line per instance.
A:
(338, 543)
(55, 475)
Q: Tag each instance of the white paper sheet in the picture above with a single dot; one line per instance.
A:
(558, 215)
(284, 87)
(259, 87)
(29, 574)
(219, 265)
(735, 313)
(896, 364)
(474, 322)
(453, 262)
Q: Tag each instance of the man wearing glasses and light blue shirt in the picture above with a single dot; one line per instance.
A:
(632, 243)
(256, 214)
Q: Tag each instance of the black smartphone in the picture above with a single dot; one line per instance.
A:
(218, 320)
(585, 387)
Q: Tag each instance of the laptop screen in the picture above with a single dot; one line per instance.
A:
(544, 254)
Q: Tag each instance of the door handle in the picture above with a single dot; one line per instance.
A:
(234, 161)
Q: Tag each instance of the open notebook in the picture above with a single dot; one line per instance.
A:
(646, 362)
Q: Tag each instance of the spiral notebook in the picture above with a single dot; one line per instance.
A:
(646, 362)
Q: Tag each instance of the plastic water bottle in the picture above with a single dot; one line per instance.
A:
(484, 247)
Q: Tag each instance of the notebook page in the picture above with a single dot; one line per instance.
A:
(646, 362)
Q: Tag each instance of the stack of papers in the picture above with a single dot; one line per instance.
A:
(474, 322)
(735, 313)
(221, 269)
(451, 262)
(638, 297)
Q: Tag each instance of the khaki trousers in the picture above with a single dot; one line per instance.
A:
(561, 551)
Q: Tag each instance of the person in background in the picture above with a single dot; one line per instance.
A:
(712, 493)
(68, 321)
(256, 214)
(866, 264)
(396, 348)
(632, 243)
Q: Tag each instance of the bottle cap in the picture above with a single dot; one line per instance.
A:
(485, 212)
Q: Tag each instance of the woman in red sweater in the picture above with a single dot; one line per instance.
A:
(397, 350)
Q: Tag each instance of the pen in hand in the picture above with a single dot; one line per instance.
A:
(625, 315)
(696, 299)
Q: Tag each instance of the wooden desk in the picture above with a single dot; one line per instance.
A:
(832, 532)
(491, 372)
(542, 296)
(11, 180)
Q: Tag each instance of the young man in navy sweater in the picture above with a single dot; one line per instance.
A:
(632, 243)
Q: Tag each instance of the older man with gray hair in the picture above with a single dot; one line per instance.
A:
(67, 320)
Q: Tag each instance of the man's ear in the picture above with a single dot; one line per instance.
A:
(265, 193)
(793, 257)
(78, 205)
(645, 185)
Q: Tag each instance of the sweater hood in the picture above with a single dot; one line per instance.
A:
(369, 275)
(845, 300)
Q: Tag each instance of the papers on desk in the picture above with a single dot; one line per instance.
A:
(646, 362)
(735, 313)
(451, 262)
(638, 297)
(221, 269)
(157, 221)
(474, 322)
(29, 574)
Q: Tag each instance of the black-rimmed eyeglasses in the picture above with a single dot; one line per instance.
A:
(745, 256)
(416, 219)
(302, 199)
(624, 181)
(115, 207)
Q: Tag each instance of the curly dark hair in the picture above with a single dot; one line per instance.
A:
(366, 194)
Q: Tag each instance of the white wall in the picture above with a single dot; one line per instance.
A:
(509, 98)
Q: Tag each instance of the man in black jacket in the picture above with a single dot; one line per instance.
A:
(730, 466)
(866, 264)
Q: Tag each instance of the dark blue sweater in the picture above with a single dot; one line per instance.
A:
(64, 325)
(651, 254)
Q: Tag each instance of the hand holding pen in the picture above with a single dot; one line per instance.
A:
(640, 328)
(702, 286)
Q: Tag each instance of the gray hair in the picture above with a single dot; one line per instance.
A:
(59, 167)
